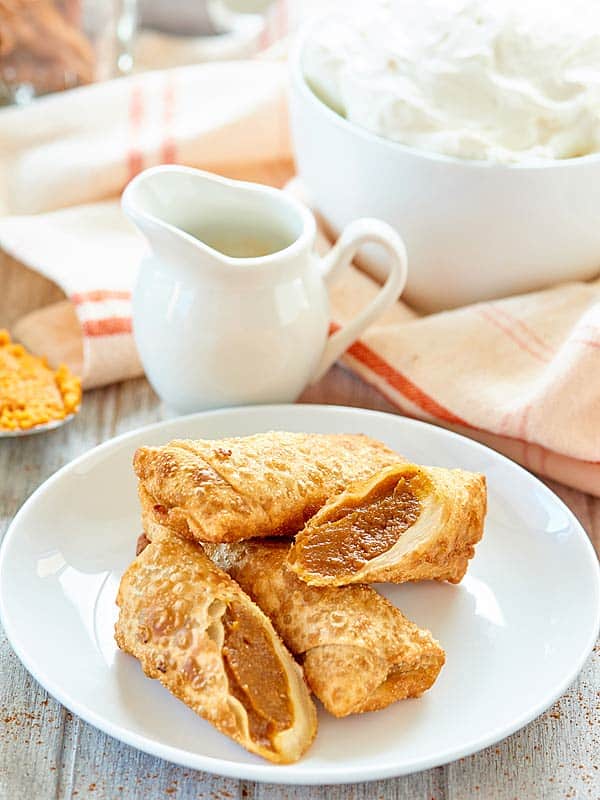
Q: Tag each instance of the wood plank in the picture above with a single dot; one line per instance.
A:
(102, 767)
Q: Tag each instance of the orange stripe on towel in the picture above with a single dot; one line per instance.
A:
(107, 327)
(168, 149)
(99, 295)
(487, 314)
(400, 382)
(524, 329)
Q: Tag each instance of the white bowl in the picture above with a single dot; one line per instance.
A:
(474, 230)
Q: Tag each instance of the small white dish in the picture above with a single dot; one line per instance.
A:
(516, 631)
(474, 230)
(47, 426)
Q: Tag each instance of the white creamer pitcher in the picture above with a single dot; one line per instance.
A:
(231, 305)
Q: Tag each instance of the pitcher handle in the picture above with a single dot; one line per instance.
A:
(354, 235)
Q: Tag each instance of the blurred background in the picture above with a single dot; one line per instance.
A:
(52, 45)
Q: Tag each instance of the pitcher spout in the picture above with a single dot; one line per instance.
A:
(163, 203)
(186, 213)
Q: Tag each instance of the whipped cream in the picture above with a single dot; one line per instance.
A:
(491, 80)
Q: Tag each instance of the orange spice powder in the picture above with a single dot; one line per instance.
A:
(30, 392)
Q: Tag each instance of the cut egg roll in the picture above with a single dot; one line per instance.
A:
(194, 629)
(358, 652)
(405, 523)
(268, 484)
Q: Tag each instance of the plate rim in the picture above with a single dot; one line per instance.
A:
(288, 774)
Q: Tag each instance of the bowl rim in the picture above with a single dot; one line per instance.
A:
(299, 82)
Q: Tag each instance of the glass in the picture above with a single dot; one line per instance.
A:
(227, 15)
(177, 32)
(52, 45)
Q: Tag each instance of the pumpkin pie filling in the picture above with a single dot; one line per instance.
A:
(363, 528)
(255, 673)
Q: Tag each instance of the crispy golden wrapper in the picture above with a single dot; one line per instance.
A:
(268, 484)
(359, 653)
(192, 627)
(405, 523)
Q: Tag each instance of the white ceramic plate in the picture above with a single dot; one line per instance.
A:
(516, 631)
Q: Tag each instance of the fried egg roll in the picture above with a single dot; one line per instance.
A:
(268, 484)
(357, 650)
(194, 629)
(406, 523)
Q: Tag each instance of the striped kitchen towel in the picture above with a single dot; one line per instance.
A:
(61, 157)
(520, 374)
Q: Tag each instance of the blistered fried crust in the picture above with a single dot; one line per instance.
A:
(193, 628)
(435, 535)
(269, 484)
(359, 653)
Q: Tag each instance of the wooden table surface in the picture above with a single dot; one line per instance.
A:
(46, 752)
